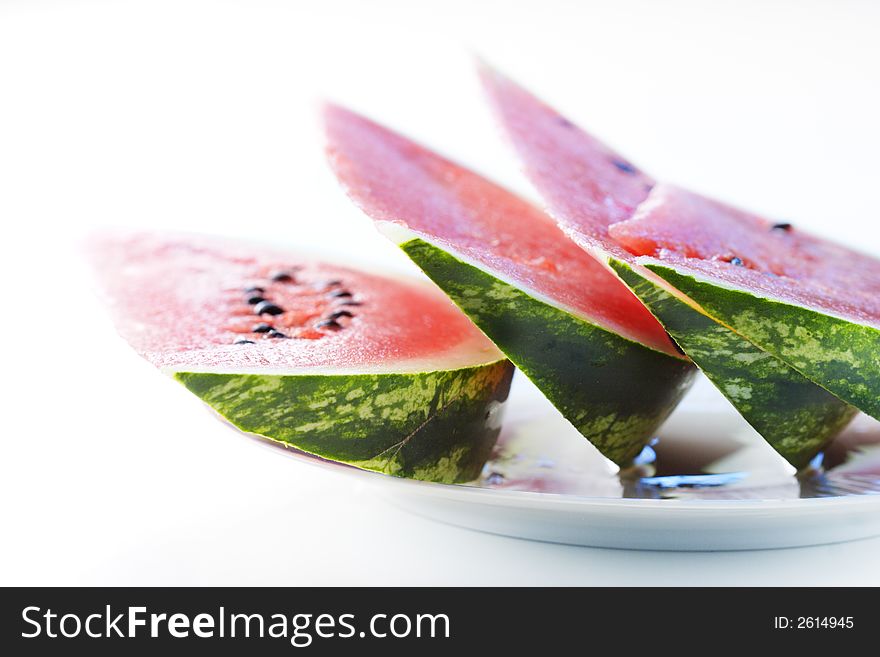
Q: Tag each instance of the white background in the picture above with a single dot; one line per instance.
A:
(201, 116)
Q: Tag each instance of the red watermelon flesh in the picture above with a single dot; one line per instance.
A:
(605, 202)
(183, 301)
(699, 235)
(586, 184)
(469, 215)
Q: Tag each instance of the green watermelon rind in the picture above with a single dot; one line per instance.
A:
(794, 415)
(615, 392)
(840, 355)
(435, 426)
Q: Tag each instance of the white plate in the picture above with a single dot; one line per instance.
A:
(709, 483)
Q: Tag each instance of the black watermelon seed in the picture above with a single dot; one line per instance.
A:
(262, 328)
(333, 283)
(282, 277)
(339, 313)
(736, 261)
(351, 303)
(339, 294)
(624, 166)
(331, 324)
(783, 226)
(267, 308)
(243, 341)
(276, 334)
(254, 300)
(254, 290)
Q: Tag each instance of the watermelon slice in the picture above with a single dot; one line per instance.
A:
(380, 373)
(557, 313)
(809, 301)
(590, 188)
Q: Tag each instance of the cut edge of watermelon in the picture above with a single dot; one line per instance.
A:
(403, 366)
(440, 363)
